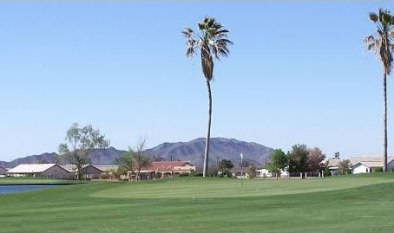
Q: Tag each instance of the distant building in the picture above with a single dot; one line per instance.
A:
(91, 172)
(88, 171)
(3, 171)
(333, 165)
(366, 167)
(165, 169)
(368, 164)
(362, 164)
(40, 170)
(263, 173)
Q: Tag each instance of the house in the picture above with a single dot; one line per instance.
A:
(40, 170)
(109, 171)
(333, 165)
(3, 171)
(166, 169)
(369, 164)
(107, 168)
(263, 173)
(88, 171)
(91, 172)
(366, 167)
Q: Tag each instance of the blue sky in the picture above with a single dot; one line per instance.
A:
(297, 73)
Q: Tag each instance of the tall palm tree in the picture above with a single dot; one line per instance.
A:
(212, 43)
(381, 43)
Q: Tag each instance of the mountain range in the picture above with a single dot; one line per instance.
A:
(193, 151)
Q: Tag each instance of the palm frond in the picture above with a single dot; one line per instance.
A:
(190, 51)
(224, 52)
(190, 42)
(391, 46)
(373, 17)
(188, 33)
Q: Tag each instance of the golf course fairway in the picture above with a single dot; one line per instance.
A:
(193, 204)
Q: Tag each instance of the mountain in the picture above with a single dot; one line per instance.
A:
(105, 156)
(193, 151)
(42, 158)
(220, 148)
(98, 157)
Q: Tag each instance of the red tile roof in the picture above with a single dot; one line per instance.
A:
(167, 165)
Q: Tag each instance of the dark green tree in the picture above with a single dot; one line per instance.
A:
(381, 43)
(80, 142)
(298, 159)
(224, 167)
(212, 43)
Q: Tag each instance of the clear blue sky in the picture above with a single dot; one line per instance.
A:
(297, 73)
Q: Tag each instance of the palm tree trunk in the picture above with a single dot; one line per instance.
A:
(205, 169)
(385, 122)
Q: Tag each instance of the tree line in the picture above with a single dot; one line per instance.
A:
(81, 141)
(299, 160)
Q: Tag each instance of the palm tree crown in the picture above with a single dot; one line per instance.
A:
(382, 41)
(212, 43)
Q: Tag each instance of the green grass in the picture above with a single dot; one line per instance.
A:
(341, 204)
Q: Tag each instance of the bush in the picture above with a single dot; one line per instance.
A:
(379, 169)
(105, 176)
(227, 174)
(183, 174)
(327, 172)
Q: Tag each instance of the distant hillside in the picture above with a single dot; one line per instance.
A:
(42, 158)
(98, 157)
(193, 151)
(220, 148)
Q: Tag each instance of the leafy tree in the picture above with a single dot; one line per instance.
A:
(298, 159)
(213, 169)
(252, 171)
(337, 155)
(344, 167)
(140, 160)
(212, 43)
(225, 166)
(326, 169)
(381, 43)
(315, 159)
(79, 143)
(279, 161)
(126, 164)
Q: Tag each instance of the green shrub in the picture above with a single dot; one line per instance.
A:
(379, 169)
